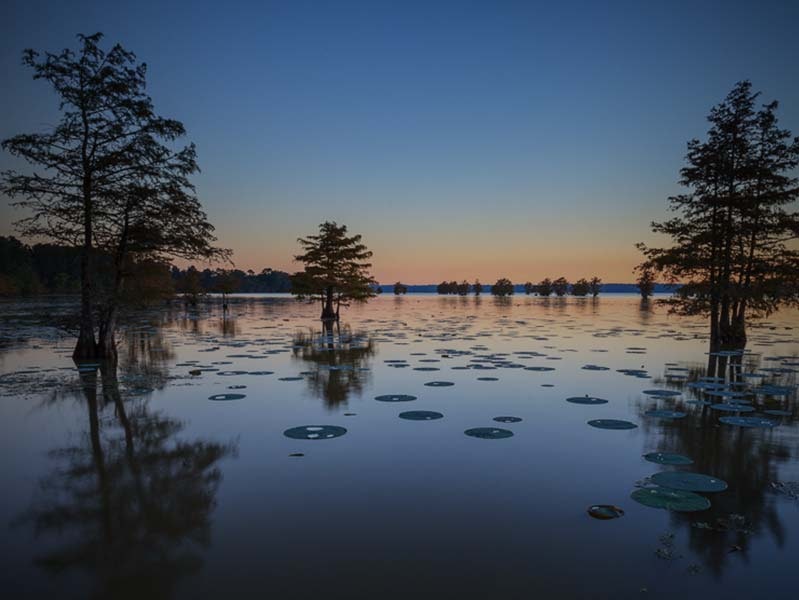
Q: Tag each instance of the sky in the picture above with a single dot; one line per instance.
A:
(462, 139)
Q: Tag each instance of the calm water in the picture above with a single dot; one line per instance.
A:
(138, 484)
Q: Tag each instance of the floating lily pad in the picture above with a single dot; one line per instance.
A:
(586, 400)
(260, 372)
(231, 373)
(747, 421)
(426, 369)
(488, 379)
(539, 368)
(395, 398)
(778, 413)
(488, 433)
(670, 499)
(315, 432)
(611, 424)
(661, 393)
(665, 414)
(225, 397)
(289, 379)
(738, 408)
(507, 419)
(605, 511)
(689, 482)
(420, 415)
(666, 458)
(439, 383)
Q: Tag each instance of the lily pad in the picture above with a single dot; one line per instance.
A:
(507, 419)
(747, 421)
(225, 397)
(661, 393)
(689, 482)
(315, 432)
(605, 511)
(665, 414)
(666, 458)
(395, 398)
(677, 500)
(737, 408)
(420, 415)
(488, 433)
(586, 400)
(611, 424)
(439, 383)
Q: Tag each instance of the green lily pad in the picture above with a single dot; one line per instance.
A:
(586, 400)
(669, 499)
(611, 424)
(225, 397)
(747, 421)
(605, 511)
(315, 432)
(420, 415)
(507, 419)
(439, 383)
(666, 458)
(689, 482)
(395, 398)
(661, 393)
(488, 433)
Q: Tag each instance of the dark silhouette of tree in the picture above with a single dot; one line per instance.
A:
(109, 180)
(191, 287)
(336, 270)
(226, 282)
(581, 287)
(400, 288)
(560, 286)
(477, 287)
(646, 281)
(529, 288)
(503, 287)
(463, 288)
(732, 233)
(544, 288)
(595, 286)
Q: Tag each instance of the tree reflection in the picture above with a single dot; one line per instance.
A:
(749, 460)
(340, 361)
(130, 503)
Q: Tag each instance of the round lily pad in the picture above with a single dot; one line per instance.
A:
(289, 378)
(426, 369)
(666, 458)
(747, 421)
(689, 482)
(439, 383)
(488, 379)
(395, 398)
(420, 415)
(488, 433)
(224, 397)
(507, 419)
(260, 372)
(611, 424)
(777, 412)
(315, 432)
(586, 400)
(231, 373)
(605, 511)
(661, 393)
(666, 414)
(737, 408)
(669, 499)
(539, 369)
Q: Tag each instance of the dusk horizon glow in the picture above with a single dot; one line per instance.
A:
(462, 140)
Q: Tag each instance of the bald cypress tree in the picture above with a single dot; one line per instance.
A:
(336, 270)
(106, 179)
(732, 233)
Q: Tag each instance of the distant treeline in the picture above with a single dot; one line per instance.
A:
(55, 269)
(518, 288)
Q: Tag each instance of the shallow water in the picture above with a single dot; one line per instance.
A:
(150, 482)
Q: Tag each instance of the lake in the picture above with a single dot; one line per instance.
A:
(258, 455)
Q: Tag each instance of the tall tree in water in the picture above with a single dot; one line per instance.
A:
(336, 269)
(646, 282)
(734, 226)
(105, 179)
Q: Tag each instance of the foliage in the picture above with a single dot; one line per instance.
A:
(645, 281)
(732, 234)
(560, 286)
(503, 287)
(544, 288)
(529, 288)
(336, 269)
(463, 288)
(581, 287)
(400, 288)
(595, 286)
(477, 287)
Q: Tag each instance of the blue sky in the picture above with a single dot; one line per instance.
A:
(462, 139)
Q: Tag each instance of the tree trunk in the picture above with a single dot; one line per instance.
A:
(328, 312)
(86, 348)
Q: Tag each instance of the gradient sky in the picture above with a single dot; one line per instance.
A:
(462, 139)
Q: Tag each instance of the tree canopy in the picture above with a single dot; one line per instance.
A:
(336, 269)
(503, 287)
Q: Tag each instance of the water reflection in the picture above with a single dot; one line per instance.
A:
(129, 502)
(749, 460)
(339, 360)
